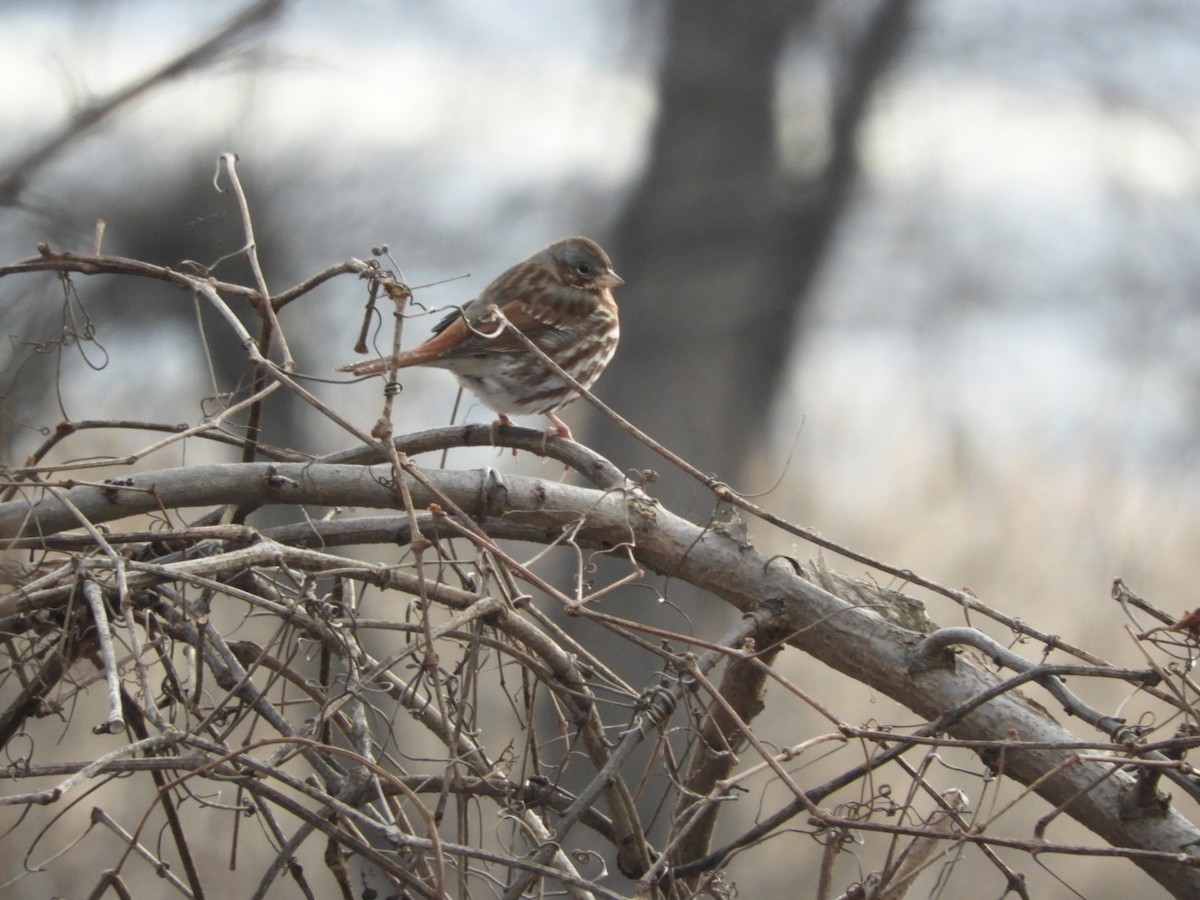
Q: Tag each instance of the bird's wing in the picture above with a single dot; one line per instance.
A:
(454, 338)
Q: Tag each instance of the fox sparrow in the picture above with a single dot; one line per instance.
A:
(559, 298)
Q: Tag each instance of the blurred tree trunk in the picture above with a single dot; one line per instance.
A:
(720, 244)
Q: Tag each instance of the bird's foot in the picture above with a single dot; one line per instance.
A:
(559, 428)
(500, 422)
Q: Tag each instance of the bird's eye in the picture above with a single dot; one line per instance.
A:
(583, 269)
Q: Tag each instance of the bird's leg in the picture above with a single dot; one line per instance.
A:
(500, 422)
(560, 428)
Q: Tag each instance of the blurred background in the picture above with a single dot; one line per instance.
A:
(921, 274)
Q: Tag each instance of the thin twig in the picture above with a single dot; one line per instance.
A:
(95, 600)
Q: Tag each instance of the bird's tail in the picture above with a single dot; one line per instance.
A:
(366, 367)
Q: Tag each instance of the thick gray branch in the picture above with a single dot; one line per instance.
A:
(851, 639)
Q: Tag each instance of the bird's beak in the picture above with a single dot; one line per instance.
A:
(610, 279)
